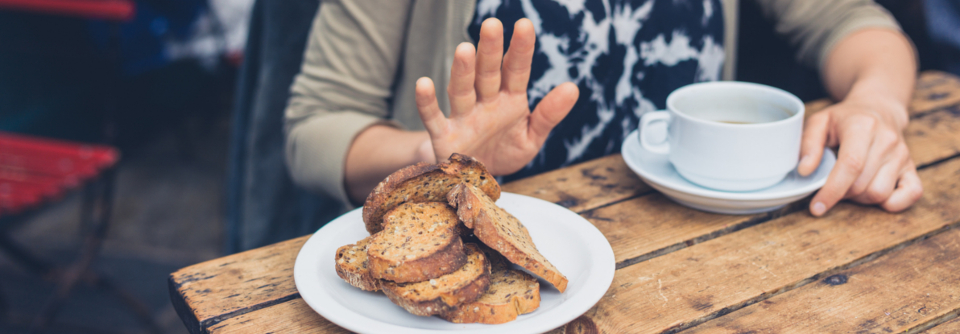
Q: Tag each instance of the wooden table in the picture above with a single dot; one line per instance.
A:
(858, 269)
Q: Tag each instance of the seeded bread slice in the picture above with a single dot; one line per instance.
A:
(511, 293)
(502, 231)
(421, 241)
(425, 182)
(353, 267)
(445, 292)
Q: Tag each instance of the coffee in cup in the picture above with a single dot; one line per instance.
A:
(731, 136)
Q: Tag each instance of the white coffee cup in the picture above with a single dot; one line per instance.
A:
(731, 136)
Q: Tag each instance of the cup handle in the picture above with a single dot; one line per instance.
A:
(649, 132)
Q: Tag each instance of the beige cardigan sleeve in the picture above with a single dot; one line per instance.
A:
(815, 26)
(344, 86)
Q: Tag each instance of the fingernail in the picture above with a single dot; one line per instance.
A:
(803, 160)
(818, 209)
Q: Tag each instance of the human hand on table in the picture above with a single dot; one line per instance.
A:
(873, 164)
(490, 118)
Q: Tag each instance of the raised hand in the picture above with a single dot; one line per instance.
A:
(490, 118)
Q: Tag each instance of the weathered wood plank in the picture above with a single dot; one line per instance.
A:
(583, 186)
(653, 225)
(935, 90)
(694, 284)
(934, 136)
(628, 277)
(235, 284)
(278, 320)
(949, 327)
(655, 230)
(927, 274)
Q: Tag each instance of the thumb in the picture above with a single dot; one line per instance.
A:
(552, 109)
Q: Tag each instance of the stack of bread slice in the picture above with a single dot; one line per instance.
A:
(419, 218)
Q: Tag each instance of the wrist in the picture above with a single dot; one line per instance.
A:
(886, 105)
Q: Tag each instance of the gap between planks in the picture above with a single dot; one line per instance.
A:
(770, 216)
(752, 221)
(688, 308)
(871, 305)
(586, 209)
(947, 326)
(818, 277)
(923, 123)
(922, 128)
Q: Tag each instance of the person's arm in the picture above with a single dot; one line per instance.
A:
(343, 90)
(872, 73)
(378, 151)
(868, 65)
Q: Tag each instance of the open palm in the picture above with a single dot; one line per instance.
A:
(490, 118)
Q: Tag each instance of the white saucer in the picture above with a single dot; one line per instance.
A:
(657, 171)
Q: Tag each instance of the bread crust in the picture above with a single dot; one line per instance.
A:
(356, 274)
(511, 293)
(424, 182)
(501, 309)
(445, 252)
(443, 301)
(475, 214)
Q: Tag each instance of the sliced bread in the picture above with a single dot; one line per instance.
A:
(443, 293)
(421, 241)
(503, 232)
(425, 182)
(511, 293)
(353, 267)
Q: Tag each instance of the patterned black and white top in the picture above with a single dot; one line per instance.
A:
(626, 56)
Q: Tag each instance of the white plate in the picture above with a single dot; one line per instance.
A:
(657, 171)
(570, 242)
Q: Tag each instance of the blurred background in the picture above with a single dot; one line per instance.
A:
(189, 92)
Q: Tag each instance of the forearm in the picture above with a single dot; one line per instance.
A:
(874, 65)
(378, 151)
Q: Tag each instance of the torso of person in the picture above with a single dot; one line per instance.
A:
(626, 56)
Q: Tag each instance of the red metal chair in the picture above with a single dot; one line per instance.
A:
(115, 10)
(35, 172)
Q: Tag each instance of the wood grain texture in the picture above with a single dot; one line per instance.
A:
(665, 252)
(928, 273)
(583, 186)
(647, 226)
(934, 136)
(278, 319)
(233, 285)
(949, 327)
(695, 284)
(935, 90)
(653, 225)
